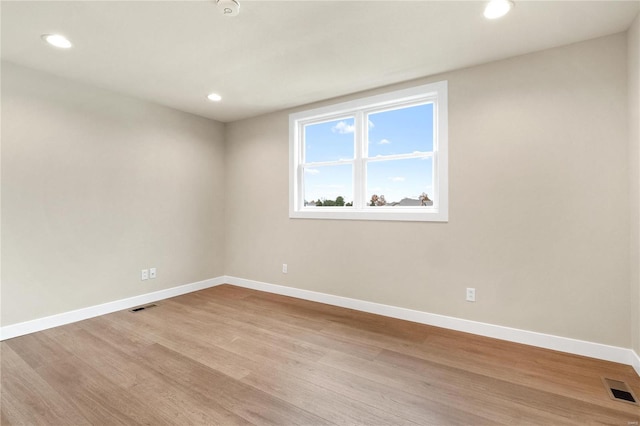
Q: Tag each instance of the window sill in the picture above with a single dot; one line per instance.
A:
(389, 214)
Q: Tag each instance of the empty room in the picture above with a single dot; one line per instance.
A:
(368, 212)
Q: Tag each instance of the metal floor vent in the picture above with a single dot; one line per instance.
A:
(142, 308)
(620, 391)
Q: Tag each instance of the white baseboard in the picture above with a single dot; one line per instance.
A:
(45, 323)
(547, 341)
(635, 361)
(562, 344)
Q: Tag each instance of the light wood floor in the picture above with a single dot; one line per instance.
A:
(228, 355)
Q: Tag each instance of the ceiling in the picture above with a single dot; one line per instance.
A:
(279, 54)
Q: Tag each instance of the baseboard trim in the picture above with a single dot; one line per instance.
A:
(635, 361)
(20, 329)
(547, 341)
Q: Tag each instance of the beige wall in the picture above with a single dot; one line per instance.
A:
(539, 213)
(633, 47)
(97, 186)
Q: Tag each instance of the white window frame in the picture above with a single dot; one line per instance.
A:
(435, 93)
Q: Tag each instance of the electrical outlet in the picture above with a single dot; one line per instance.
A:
(471, 294)
(152, 273)
(144, 274)
(284, 268)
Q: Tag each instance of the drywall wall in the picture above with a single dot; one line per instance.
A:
(633, 48)
(97, 186)
(539, 204)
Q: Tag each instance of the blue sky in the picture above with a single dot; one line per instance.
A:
(400, 131)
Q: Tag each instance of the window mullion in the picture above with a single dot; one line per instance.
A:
(327, 163)
(402, 156)
(436, 181)
(360, 171)
(299, 154)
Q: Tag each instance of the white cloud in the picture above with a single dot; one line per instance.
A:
(343, 128)
(312, 171)
(384, 142)
(371, 125)
(397, 179)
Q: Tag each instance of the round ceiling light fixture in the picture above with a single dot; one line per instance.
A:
(497, 8)
(57, 40)
(214, 97)
(229, 7)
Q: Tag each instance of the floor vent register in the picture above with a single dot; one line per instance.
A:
(142, 308)
(620, 391)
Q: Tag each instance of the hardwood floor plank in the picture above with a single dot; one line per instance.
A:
(250, 309)
(423, 409)
(475, 354)
(526, 365)
(37, 350)
(525, 358)
(269, 320)
(235, 396)
(4, 419)
(233, 356)
(266, 337)
(109, 332)
(26, 399)
(202, 346)
(347, 317)
(342, 408)
(316, 399)
(97, 397)
(459, 388)
(274, 356)
(397, 403)
(176, 406)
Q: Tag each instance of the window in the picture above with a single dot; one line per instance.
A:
(378, 158)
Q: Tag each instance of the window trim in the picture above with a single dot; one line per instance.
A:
(358, 108)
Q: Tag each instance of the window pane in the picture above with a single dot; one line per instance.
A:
(401, 131)
(400, 182)
(330, 141)
(328, 186)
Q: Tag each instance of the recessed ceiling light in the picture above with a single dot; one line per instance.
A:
(497, 8)
(57, 40)
(214, 97)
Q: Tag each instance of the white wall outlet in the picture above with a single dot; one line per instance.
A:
(284, 268)
(152, 273)
(144, 274)
(471, 294)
